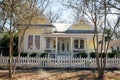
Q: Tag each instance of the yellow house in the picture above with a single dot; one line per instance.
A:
(42, 36)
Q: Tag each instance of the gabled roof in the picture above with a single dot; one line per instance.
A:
(81, 26)
(38, 21)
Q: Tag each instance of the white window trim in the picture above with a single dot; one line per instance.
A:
(34, 48)
(79, 44)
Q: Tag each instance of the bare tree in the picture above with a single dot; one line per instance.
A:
(96, 11)
(14, 13)
(53, 16)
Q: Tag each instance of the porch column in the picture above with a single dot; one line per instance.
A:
(71, 46)
(56, 46)
(87, 48)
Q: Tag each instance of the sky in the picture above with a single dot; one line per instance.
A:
(67, 14)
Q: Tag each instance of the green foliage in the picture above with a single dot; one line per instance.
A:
(44, 54)
(23, 54)
(5, 54)
(108, 32)
(33, 54)
(15, 54)
(92, 54)
(83, 55)
(4, 43)
(102, 55)
(112, 54)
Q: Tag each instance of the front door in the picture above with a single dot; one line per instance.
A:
(63, 46)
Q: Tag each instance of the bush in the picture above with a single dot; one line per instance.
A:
(83, 55)
(103, 55)
(5, 54)
(33, 54)
(92, 54)
(15, 54)
(44, 54)
(111, 55)
(23, 54)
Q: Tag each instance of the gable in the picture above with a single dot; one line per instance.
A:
(81, 26)
(40, 20)
(37, 20)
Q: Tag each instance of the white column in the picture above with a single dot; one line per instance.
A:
(87, 44)
(71, 45)
(87, 48)
(56, 46)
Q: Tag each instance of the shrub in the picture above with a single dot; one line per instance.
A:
(84, 55)
(103, 55)
(33, 54)
(44, 54)
(5, 54)
(111, 54)
(23, 54)
(92, 54)
(15, 54)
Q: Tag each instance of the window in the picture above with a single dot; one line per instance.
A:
(67, 47)
(75, 44)
(54, 44)
(63, 46)
(37, 42)
(111, 48)
(117, 48)
(81, 44)
(48, 43)
(30, 42)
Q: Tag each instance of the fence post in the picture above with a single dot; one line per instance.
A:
(1, 59)
(28, 57)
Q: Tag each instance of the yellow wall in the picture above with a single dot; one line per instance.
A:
(81, 26)
(29, 31)
(32, 31)
(90, 43)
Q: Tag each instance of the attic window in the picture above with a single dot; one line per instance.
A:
(82, 21)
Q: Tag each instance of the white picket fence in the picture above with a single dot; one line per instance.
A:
(59, 63)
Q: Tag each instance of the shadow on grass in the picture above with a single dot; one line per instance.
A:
(4, 75)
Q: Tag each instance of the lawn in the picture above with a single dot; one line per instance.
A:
(59, 74)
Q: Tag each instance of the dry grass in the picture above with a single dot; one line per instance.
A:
(59, 74)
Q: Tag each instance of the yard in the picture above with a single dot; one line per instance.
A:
(59, 74)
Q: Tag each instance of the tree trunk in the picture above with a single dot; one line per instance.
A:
(100, 74)
(10, 52)
(11, 44)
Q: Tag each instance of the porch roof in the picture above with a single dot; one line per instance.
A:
(77, 31)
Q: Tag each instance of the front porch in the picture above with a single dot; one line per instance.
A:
(65, 45)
